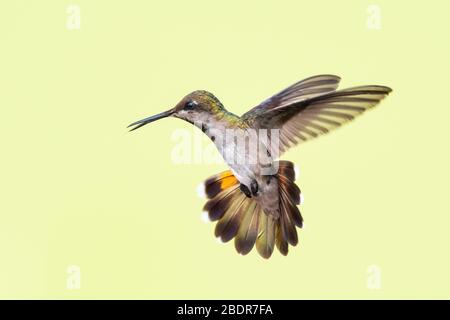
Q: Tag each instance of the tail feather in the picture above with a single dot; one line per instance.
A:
(266, 236)
(243, 218)
(286, 170)
(228, 226)
(248, 231)
(281, 242)
(287, 225)
(290, 206)
(219, 182)
(217, 206)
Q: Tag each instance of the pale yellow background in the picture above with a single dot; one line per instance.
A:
(78, 189)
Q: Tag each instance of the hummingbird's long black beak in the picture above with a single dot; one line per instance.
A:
(145, 121)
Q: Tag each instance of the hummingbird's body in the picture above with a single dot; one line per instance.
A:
(256, 202)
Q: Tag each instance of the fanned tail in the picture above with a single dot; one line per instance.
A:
(244, 220)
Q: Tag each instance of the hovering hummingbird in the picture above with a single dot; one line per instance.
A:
(256, 202)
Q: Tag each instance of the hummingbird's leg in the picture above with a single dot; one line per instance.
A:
(254, 187)
(245, 190)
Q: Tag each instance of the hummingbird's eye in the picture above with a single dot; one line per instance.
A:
(190, 105)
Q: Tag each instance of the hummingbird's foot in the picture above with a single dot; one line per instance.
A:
(254, 187)
(245, 190)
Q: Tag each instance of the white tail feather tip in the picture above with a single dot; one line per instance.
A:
(297, 172)
(205, 217)
(201, 191)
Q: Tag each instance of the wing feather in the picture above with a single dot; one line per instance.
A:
(303, 90)
(302, 120)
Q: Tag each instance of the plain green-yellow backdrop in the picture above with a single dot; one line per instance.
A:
(78, 190)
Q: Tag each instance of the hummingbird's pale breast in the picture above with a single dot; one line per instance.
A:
(247, 154)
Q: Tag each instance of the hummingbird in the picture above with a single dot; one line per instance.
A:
(256, 201)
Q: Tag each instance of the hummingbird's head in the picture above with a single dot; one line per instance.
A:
(198, 106)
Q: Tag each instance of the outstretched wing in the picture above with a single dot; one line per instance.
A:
(300, 91)
(306, 119)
